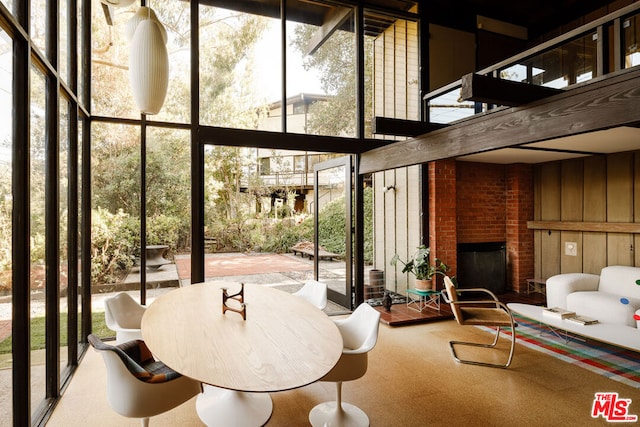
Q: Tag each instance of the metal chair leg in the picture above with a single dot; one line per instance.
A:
(452, 345)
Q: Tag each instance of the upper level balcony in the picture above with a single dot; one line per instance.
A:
(592, 51)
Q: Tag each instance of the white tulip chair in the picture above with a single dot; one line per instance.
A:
(139, 386)
(359, 335)
(314, 292)
(123, 315)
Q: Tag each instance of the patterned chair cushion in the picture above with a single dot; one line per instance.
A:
(138, 359)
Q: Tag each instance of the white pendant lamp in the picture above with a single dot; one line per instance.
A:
(141, 14)
(148, 67)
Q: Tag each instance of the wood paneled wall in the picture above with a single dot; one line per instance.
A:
(396, 89)
(599, 190)
(396, 94)
(396, 222)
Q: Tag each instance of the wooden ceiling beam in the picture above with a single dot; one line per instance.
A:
(399, 127)
(286, 141)
(491, 90)
(606, 102)
(334, 20)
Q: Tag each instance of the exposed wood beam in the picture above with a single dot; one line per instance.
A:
(287, 141)
(490, 90)
(603, 227)
(334, 20)
(604, 103)
(399, 127)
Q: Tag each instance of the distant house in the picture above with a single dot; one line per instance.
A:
(289, 171)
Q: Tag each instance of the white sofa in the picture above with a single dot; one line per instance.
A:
(611, 297)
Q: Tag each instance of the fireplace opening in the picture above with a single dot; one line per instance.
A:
(482, 265)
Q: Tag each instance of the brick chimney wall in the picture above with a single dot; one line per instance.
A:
(520, 256)
(442, 208)
(481, 199)
(477, 202)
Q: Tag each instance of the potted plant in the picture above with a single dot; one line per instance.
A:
(420, 266)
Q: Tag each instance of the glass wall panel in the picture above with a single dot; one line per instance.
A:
(253, 208)
(63, 212)
(63, 40)
(79, 45)
(168, 173)
(574, 62)
(631, 35)
(321, 79)
(115, 210)
(392, 79)
(239, 67)
(38, 24)
(110, 90)
(446, 108)
(6, 207)
(81, 127)
(268, 58)
(38, 236)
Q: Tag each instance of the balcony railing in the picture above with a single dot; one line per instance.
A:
(606, 45)
(285, 179)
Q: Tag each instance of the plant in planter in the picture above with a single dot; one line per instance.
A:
(420, 266)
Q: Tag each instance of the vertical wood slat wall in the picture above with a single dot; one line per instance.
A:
(590, 189)
(397, 229)
(396, 95)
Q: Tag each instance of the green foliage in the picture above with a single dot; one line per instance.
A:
(114, 239)
(368, 225)
(419, 264)
(6, 207)
(335, 63)
(331, 226)
(283, 234)
(38, 336)
(174, 231)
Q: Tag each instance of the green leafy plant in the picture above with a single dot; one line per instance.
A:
(420, 266)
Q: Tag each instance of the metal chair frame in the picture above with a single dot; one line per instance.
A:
(492, 305)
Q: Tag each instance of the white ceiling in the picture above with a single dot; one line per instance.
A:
(601, 142)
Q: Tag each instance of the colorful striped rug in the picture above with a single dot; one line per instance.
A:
(613, 362)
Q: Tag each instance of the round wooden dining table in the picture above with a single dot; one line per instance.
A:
(284, 343)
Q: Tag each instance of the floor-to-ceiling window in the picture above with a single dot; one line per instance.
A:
(6, 207)
(37, 279)
(321, 69)
(63, 221)
(39, 197)
(141, 166)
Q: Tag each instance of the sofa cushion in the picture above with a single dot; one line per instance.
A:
(605, 307)
(620, 280)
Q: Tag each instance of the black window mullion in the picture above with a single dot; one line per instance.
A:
(20, 296)
(52, 239)
(72, 238)
(52, 200)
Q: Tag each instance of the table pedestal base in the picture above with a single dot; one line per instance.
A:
(219, 407)
(328, 415)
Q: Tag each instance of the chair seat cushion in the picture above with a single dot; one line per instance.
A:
(139, 361)
(484, 316)
(606, 307)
